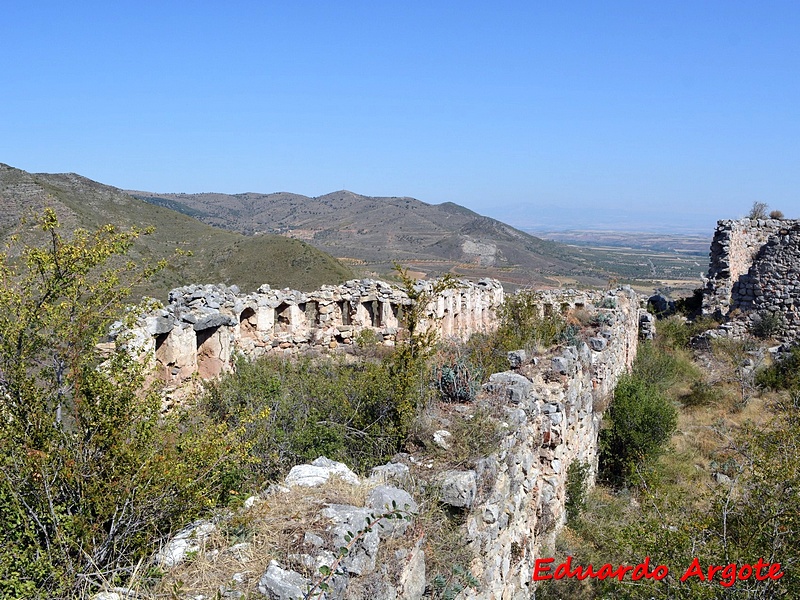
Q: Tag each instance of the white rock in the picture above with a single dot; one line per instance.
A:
(318, 472)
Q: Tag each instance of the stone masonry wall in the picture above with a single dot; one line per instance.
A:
(513, 501)
(203, 326)
(555, 406)
(754, 270)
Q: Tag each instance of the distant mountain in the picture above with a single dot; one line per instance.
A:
(217, 255)
(376, 231)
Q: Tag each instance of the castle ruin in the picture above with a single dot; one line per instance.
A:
(754, 273)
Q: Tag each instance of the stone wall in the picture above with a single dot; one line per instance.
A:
(555, 406)
(203, 327)
(755, 270)
(512, 501)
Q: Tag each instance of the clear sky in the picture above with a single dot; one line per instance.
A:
(562, 113)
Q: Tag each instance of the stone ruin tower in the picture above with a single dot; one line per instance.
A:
(755, 272)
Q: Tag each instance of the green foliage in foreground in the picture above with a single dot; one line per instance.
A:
(522, 327)
(90, 477)
(325, 406)
(754, 515)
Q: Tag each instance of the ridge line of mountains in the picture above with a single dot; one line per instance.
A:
(290, 240)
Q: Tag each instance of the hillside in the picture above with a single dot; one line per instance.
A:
(216, 255)
(375, 231)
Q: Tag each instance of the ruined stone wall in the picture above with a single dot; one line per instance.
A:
(554, 413)
(513, 500)
(203, 327)
(754, 271)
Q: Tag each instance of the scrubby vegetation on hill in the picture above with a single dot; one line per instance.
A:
(206, 253)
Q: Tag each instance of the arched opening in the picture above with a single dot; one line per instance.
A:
(373, 309)
(164, 368)
(283, 318)
(312, 314)
(343, 308)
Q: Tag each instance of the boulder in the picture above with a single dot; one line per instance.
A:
(513, 386)
(318, 472)
(282, 584)
(459, 488)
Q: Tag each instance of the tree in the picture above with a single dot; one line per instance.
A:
(409, 361)
(758, 211)
(91, 477)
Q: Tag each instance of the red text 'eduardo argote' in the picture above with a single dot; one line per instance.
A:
(728, 574)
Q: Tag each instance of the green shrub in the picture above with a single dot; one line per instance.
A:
(347, 412)
(701, 394)
(577, 473)
(91, 477)
(783, 374)
(663, 367)
(641, 422)
(677, 332)
(766, 324)
(521, 327)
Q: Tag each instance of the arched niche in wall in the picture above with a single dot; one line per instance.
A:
(283, 318)
(248, 324)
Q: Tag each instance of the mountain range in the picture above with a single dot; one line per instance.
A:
(372, 232)
(290, 240)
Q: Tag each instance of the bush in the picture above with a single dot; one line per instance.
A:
(701, 394)
(758, 210)
(521, 328)
(766, 324)
(347, 412)
(91, 477)
(677, 332)
(784, 374)
(776, 214)
(577, 473)
(663, 367)
(641, 422)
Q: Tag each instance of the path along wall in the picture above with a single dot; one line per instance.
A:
(755, 270)
(204, 326)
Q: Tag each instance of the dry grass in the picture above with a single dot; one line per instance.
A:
(245, 542)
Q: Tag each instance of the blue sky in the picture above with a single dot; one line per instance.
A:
(567, 114)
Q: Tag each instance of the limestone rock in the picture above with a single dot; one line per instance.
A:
(350, 520)
(282, 584)
(396, 472)
(318, 472)
(189, 539)
(513, 386)
(459, 488)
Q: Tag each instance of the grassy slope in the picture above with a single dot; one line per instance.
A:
(217, 255)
